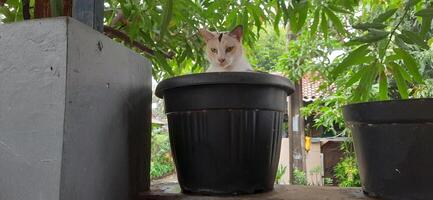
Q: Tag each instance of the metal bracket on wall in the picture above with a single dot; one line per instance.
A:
(295, 124)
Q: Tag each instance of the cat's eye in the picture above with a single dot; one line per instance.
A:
(229, 49)
(214, 50)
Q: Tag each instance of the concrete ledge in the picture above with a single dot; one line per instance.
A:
(281, 192)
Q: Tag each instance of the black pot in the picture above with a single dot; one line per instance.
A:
(225, 129)
(394, 146)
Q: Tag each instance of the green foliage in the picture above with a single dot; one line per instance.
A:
(11, 11)
(316, 170)
(327, 113)
(328, 181)
(385, 33)
(267, 50)
(316, 175)
(161, 163)
(383, 51)
(280, 173)
(347, 173)
(304, 55)
(425, 90)
(299, 177)
(171, 26)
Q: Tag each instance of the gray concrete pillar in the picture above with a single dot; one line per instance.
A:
(74, 113)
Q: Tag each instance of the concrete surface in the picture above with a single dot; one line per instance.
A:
(32, 104)
(73, 105)
(281, 192)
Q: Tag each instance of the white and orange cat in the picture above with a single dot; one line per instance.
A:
(224, 51)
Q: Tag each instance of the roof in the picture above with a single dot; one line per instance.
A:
(310, 86)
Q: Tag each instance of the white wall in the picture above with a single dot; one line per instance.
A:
(285, 160)
(314, 165)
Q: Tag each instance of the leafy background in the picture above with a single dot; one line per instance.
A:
(380, 38)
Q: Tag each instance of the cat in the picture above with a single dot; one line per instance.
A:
(224, 50)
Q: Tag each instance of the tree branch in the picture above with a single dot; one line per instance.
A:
(115, 33)
(393, 32)
(67, 7)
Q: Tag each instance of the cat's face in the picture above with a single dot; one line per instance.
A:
(222, 49)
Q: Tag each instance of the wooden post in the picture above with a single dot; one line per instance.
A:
(42, 9)
(296, 132)
(90, 12)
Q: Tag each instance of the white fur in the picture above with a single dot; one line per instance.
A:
(239, 64)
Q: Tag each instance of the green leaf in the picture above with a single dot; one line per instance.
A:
(256, 13)
(383, 86)
(303, 11)
(430, 41)
(348, 4)
(315, 22)
(364, 87)
(335, 21)
(391, 58)
(166, 16)
(324, 25)
(293, 22)
(401, 84)
(352, 43)
(415, 38)
(399, 41)
(426, 25)
(356, 77)
(357, 56)
(382, 48)
(277, 21)
(411, 3)
(163, 62)
(285, 10)
(385, 16)
(427, 12)
(231, 19)
(366, 26)
(404, 38)
(404, 73)
(410, 64)
(245, 24)
(338, 9)
(372, 36)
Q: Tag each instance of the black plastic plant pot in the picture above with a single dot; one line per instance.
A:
(225, 130)
(393, 143)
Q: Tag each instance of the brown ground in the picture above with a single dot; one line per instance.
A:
(171, 191)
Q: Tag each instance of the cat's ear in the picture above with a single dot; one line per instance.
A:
(237, 32)
(206, 34)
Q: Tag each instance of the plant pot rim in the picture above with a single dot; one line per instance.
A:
(390, 111)
(225, 78)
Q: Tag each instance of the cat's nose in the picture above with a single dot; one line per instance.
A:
(221, 60)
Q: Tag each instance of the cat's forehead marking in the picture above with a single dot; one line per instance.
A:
(220, 37)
